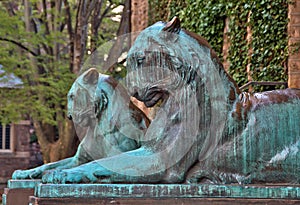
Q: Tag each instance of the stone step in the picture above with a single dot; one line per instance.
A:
(159, 201)
(175, 194)
(18, 192)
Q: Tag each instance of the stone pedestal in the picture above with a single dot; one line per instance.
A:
(18, 192)
(79, 194)
(150, 201)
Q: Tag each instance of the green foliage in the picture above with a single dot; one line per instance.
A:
(45, 84)
(159, 10)
(267, 51)
(269, 23)
(46, 76)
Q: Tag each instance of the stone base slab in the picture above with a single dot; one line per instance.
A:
(157, 201)
(161, 194)
(23, 192)
(23, 184)
(166, 191)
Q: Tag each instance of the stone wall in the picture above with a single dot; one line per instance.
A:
(19, 155)
(294, 41)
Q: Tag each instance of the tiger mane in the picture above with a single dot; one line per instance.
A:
(234, 87)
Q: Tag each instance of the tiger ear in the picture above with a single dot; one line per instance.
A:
(91, 76)
(171, 30)
(173, 26)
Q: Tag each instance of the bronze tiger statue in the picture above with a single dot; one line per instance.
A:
(206, 130)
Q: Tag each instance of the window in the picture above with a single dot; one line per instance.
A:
(5, 137)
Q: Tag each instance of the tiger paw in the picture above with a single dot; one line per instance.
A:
(27, 174)
(75, 175)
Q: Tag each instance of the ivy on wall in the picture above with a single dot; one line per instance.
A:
(264, 22)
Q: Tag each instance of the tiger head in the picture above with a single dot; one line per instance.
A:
(80, 98)
(166, 57)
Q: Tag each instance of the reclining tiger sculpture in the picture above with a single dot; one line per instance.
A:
(206, 130)
(97, 102)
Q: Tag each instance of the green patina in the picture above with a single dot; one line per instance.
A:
(23, 184)
(165, 191)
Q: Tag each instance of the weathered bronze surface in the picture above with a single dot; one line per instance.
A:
(165, 191)
(23, 184)
(206, 130)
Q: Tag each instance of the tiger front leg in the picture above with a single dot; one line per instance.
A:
(137, 166)
(36, 173)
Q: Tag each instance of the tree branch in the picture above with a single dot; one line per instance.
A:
(108, 7)
(89, 10)
(20, 45)
(70, 32)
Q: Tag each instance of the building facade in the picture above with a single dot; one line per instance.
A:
(17, 150)
(14, 148)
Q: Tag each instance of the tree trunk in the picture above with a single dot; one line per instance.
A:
(64, 146)
(80, 35)
(122, 42)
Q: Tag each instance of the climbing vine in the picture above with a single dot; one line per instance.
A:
(257, 33)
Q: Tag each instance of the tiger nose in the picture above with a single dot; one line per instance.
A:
(70, 116)
(135, 93)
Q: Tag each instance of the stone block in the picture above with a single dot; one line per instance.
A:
(294, 19)
(294, 79)
(294, 31)
(294, 7)
(16, 196)
(18, 192)
(294, 65)
(79, 194)
(294, 51)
